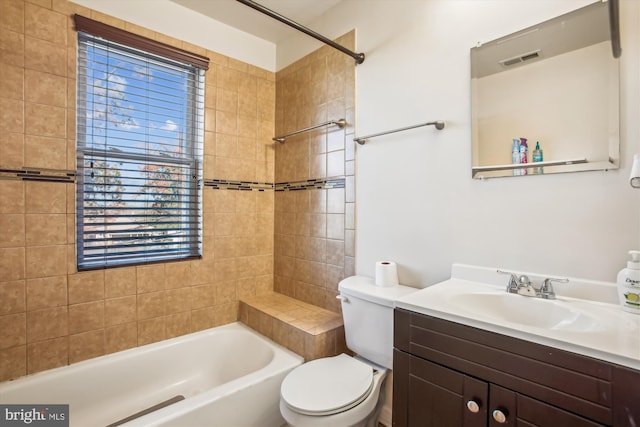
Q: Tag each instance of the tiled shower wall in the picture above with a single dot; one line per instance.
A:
(315, 226)
(50, 315)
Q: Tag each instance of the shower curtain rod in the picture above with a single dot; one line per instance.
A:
(340, 123)
(359, 57)
(439, 124)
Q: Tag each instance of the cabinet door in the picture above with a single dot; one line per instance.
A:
(518, 410)
(438, 396)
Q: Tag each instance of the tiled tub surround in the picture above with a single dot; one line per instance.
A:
(306, 329)
(51, 315)
(315, 229)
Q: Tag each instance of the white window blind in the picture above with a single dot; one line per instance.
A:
(140, 131)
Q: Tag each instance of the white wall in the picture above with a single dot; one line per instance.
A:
(416, 201)
(181, 23)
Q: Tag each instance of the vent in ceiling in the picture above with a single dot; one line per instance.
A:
(520, 58)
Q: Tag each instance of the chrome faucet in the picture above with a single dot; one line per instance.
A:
(546, 290)
(521, 285)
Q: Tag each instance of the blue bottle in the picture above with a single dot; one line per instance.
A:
(515, 155)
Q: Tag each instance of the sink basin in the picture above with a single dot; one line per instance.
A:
(586, 317)
(527, 311)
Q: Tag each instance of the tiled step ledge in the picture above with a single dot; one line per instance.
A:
(305, 329)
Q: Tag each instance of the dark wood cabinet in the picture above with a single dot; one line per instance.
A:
(448, 375)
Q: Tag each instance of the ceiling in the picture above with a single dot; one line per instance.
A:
(248, 20)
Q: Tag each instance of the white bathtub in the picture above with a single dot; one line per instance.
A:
(229, 376)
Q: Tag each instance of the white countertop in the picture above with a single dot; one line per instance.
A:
(603, 330)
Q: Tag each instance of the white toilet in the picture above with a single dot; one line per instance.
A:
(346, 391)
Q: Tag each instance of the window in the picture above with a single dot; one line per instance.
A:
(140, 131)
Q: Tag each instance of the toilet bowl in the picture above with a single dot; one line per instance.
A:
(345, 391)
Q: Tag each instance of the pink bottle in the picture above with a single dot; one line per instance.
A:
(524, 154)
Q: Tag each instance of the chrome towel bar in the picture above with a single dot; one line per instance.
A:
(340, 123)
(439, 124)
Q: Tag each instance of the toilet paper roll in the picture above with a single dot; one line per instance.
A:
(386, 273)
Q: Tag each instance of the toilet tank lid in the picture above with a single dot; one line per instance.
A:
(364, 288)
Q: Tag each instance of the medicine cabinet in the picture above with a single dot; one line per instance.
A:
(556, 83)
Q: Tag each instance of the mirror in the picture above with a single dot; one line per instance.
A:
(555, 85)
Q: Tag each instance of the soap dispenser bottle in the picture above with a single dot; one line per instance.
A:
(629, 284)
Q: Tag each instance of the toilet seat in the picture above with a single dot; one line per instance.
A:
(327, 386)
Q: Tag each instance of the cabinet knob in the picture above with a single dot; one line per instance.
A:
(499, 416)
(473, 406)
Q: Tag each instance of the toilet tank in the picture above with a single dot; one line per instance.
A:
(367, 311)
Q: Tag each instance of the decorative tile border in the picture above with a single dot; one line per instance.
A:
(310, 184)
(49, 175)
(223, 184)
(65, 176)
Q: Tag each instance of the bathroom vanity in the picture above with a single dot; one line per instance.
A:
(460, 361)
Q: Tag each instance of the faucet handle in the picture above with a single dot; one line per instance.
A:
(513, 285)
(546, 291)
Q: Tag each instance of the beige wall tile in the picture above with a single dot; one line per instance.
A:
(335, 226)
(203, 296)
(87, 316)
(47, 323)
(45, 56)
(202, 318)
(12, 47)
(86, 345)
(12, 16)
(12, 297)
(227, 100)
(150, 278)
(121, 337)
(11, 150)
(47, 354)
(45, 120)
(46, 292)
(209, 119)
(225, 122)
(13, 330)
(45, 261)
(13, 363)
(120, 310)
(151, 305)
(11, 115)
(178, 300)
(45, 88)
(178, 324)
(119, 282)
(12, 263)
(177, 274)
(46, 229)
(46, 197)
(226, 313)
(12, 230)
(226, 292)
(151, 330)
(86, 286)
(12, 83)
(202, 272)
(45, 24)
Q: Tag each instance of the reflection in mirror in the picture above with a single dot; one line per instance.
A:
(554, 85)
